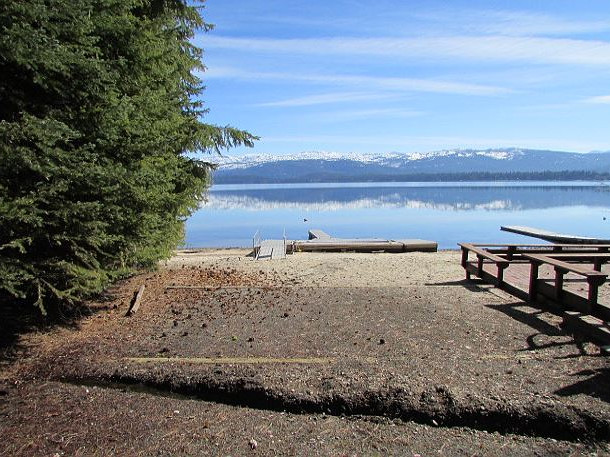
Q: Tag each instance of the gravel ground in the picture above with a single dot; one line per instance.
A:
(328, 354)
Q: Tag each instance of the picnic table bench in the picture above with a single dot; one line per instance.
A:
(517, 270)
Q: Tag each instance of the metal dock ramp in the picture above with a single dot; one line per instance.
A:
(268, 249)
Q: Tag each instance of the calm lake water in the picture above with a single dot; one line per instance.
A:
(444, 212)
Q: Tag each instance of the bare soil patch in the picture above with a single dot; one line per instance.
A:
(389, 353)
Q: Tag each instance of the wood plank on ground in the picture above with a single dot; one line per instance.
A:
(233, 360)
(137, 299)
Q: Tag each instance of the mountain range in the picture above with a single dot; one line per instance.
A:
(456, 164)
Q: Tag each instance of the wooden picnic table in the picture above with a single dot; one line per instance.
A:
(506, 267)
(594, 280)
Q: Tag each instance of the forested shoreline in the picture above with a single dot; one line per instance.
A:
(418, 177)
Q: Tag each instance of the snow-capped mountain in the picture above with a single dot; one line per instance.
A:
(389, 159)
(337, 167)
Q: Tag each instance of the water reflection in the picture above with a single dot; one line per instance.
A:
(446, 213)
(442, 198)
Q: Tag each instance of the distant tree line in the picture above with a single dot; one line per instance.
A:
(567, 175)
(98, 106)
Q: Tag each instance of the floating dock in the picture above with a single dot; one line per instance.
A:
(320, 241)
(553, 237)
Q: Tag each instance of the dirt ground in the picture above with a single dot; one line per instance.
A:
(318, 354)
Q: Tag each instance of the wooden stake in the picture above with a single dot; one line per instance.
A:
(135, 303)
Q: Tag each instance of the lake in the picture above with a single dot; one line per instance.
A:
(447, 213)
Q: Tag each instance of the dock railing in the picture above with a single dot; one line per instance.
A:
(256, 244)
(284, 237)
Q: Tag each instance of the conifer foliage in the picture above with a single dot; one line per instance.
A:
(98, 110)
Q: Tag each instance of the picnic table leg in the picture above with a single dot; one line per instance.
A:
(500, 275)
(592, 295)
(465, 261)
(558, 284)
(479, 266)
(533, 280)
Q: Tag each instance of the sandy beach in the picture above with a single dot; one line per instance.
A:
(317, 354)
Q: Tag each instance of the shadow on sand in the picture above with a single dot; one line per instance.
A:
(592, 382)
(18, 318)
(474, 285)
(595, 383)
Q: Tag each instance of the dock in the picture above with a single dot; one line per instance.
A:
(271, 250)
(320, 241)
(316, 234)
(553, 237)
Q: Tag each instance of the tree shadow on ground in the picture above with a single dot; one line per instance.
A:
(474, 285)
(532, 319)
(19, 318)
(596, 383)
(535, 319)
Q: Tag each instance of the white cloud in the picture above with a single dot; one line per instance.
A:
(600, 99)
(323, 99)
(416, 18)
(417, 143)
(367, 114)
(498, 48)
(512, 23)
(368, 82)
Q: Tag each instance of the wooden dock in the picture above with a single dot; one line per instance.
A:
(316, 234)
(272, 250)
(553, 237)
(320, 241)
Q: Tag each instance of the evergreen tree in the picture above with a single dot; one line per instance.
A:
(98, 110)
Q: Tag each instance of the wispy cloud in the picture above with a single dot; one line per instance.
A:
(404, 143)
(497, 48)
(422, 18)
(323, 99)
(369, 82)
(600, 99)
(350, 115)
(511, 23)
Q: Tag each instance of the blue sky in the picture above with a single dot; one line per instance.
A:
(388, 75)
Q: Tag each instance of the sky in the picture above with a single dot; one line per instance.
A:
(375, 76)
